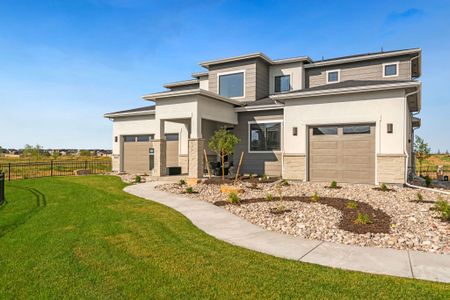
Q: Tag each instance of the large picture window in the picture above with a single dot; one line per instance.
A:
(231, 85)
(265, 136)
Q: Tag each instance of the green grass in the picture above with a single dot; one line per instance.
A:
(83, 237)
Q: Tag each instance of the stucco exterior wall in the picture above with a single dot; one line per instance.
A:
(380, 108)
(295, 70)
(143, 125)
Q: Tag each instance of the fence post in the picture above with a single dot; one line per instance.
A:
(2, 187)
(85, 164)
(51, 168)
(9, 172)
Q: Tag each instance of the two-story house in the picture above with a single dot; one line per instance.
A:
(349, 119)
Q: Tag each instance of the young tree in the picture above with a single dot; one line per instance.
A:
(223, 143)
(32, 151)
(422, 151)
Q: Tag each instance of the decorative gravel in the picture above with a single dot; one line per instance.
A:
(414, 226)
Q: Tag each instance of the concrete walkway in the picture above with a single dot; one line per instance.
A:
(223, 225)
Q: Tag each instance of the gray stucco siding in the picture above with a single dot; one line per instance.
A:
(256, 163)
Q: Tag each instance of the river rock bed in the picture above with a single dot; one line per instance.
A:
(413, 224)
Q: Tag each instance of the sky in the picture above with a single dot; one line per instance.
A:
(63, 64)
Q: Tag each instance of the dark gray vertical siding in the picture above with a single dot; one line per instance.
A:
(257, 163)
(262, 79)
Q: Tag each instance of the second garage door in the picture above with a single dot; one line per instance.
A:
(345, 153)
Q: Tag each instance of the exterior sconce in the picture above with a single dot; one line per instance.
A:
(116, 139)
(294, 131)
(390, 128)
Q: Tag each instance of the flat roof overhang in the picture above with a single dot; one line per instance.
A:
(173, 94)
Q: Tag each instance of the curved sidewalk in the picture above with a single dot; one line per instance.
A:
(225, 226)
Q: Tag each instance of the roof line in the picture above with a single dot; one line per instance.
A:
(162, 95)
(134, 113)
(261, 55)
(181, 83)
(368, 56)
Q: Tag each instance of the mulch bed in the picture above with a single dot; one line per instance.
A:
(381, 190)
(380, 220)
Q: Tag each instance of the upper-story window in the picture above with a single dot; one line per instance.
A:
(333, 76)
(282, 83)
(390, 69)
(231, 84)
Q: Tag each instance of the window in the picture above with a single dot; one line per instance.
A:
(390, 70)
(333, 76)
(282, 83)
(129, 138)
(357, 129)
(231, 85)
(144, 138)
(265, 136)
(172, 137)
(324, 130)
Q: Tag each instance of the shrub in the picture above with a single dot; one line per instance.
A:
(181, 182)
(269, 197)
(284, 182)
(137, 179)
(251, 175)
(352, 204)
(383, 187)
(189, 190)
(315, 197)
(419, 197)
(333, 185)
(443, 207)
(233, 198)
(265, 177)
(363, 219)
(427, 181)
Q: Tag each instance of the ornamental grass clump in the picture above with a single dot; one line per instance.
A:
(269, 197)
(419, 197)
(363, 219)
(137, 179)
(315, 197)
(443, 207)
(352, 204)
(428, 180)
(181, 182)
(383, 187)
(189, 190)
(233, 198)
(333, 185)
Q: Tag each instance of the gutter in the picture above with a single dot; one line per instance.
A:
(426, 189)
(259, 107)
(127, 114)
(346, 90)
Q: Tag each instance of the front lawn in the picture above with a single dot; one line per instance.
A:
(83, 237)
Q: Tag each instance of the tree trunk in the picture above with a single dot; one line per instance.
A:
(222, 158)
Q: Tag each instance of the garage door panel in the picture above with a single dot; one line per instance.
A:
(136, 157)
(342, 157)
(324, 159)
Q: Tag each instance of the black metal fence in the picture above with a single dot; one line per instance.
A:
(2, 188)
(24, 170)
(431, 170)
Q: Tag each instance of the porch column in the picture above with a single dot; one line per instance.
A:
(159, 144)
(196, 144)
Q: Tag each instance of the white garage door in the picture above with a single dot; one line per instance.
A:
(345, 153)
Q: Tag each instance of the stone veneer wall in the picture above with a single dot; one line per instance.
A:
(391, 168)
(196, 147)
(160, 157)
(183, 162)
(294, 166)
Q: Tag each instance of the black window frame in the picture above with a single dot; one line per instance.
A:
(264, 145)
(278, 86)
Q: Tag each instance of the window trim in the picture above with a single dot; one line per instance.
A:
(230, 73)
(331, 71)
(275, 83)
(396, 63)
(263, 122)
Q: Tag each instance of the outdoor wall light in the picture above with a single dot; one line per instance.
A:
(390, 127)
(115, 139)
(294, 131)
